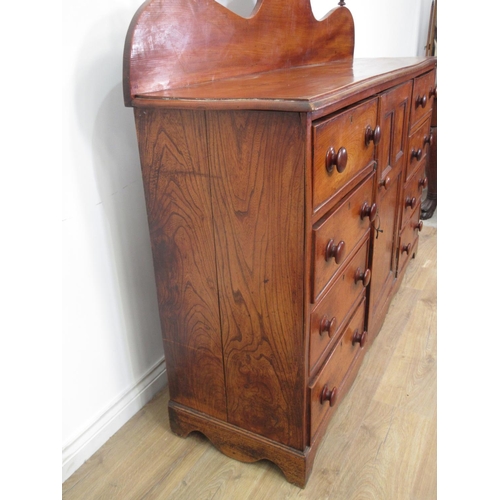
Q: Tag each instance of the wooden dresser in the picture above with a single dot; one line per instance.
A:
(283, 183)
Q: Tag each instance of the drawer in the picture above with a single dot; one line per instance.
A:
(423, 99)
(327, 387)
(333, 311)
(413, 193)
(418, 144)
(341, 150)
(336, 236)
(408, 238)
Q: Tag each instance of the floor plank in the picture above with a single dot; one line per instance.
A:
(381, 443)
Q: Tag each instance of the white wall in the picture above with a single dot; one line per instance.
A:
(112, 352)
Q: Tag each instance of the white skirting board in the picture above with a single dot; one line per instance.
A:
(82, 446)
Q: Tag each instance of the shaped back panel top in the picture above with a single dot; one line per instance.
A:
(177, 43)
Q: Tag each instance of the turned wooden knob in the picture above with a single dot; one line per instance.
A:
(385, 183)
(372, 135)
(336, 159)
(433, 92)
(416, 153)
(410, 202)
(419, 226)
(423, 183)
(359, 338)
(369, 210)
(364, 276)
(335, 251)
(428, 139)
(327, 325)
(328, 395)
(406, 248)
(421, 100)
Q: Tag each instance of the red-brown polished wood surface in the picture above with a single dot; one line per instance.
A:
(336, 368)
(423, 97)
(176, 43)
(258, 204)
(394, 113)
(243, 445)
(344, 226)
(231, 116)
(345, 131)
(416, 143)
(176, 181)
(408, 240)
(321, 88)
(337, 304)
(413, 193)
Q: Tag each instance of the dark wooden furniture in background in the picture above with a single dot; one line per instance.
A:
(429, 204)
(283, 184)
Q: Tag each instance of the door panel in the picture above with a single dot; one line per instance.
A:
(394, 107)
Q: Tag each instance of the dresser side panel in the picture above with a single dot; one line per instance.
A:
(257, 169)
(174, 165)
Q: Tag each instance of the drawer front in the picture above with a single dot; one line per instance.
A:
(408, 238)
(333, 171)
(413, 193)
(336, 236)
(332, 312)
(327, 387)
(422, 96)
(418, 144)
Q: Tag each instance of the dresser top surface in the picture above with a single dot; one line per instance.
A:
(305, 88)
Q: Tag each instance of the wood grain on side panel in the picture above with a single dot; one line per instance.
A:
(257, 172)
(174, 164)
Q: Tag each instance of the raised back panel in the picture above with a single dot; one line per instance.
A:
(176, 43)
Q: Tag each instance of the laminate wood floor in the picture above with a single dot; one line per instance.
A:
(380, 445)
